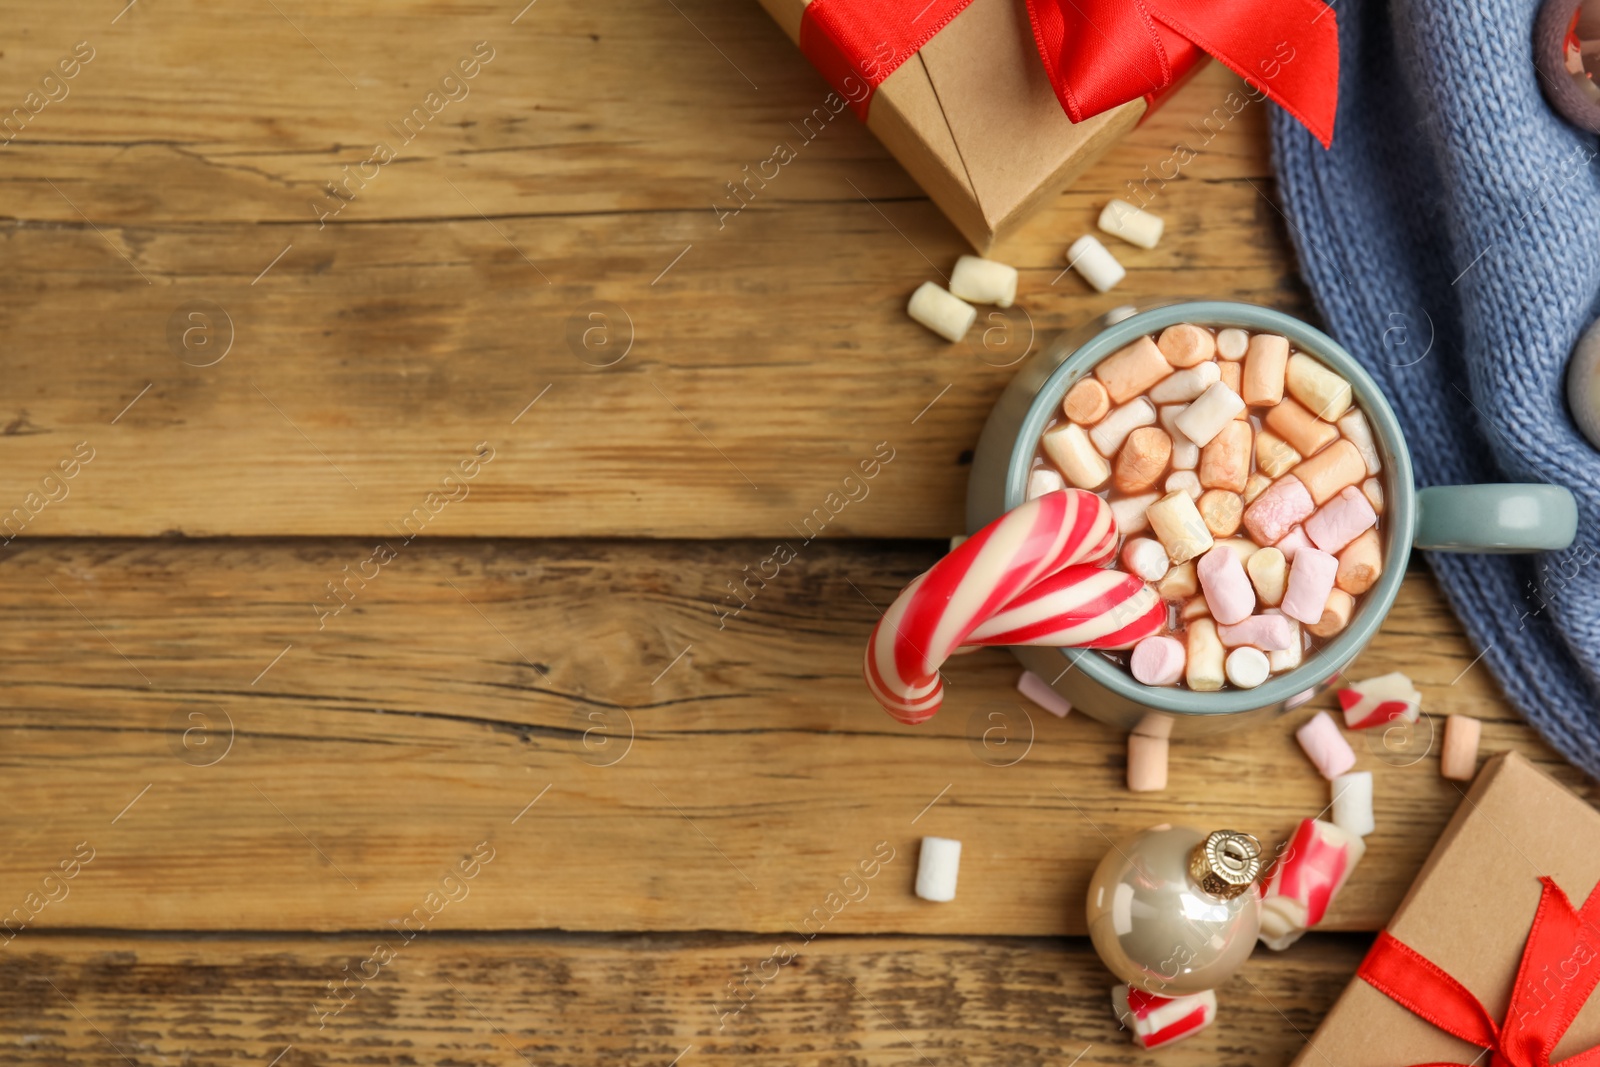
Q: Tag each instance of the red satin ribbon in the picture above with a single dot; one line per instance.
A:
(1560, 967)
(1101, 53)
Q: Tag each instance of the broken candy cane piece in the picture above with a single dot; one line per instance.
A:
(1210, 413)
(937, 867)
(1310, 585)
(1157, 661)
(1147, 764)
(1042, 480)
(1305, 880)
(1134, 225)
(1038, 690)
(984, 281)
(1326, 746)
(1155, 1021)
(944, 313)
(1458, 758)
(1146, 558)
(1070, 449)
(1247, 667)
(1229, 595)
(1094, 263)
(1380, 701)
(1352, 803)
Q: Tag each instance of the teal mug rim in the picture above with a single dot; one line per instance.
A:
(1399, 511)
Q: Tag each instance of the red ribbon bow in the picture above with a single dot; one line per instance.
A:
(1560, 967)
(1101, 53)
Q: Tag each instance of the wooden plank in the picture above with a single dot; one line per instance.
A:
(651, 1000)
(469, 679)
(163, 220)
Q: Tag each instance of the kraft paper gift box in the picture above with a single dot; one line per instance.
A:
(973, 119)
(1469, 912)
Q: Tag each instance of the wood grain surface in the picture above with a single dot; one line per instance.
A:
(472, 676)
(657, 1000)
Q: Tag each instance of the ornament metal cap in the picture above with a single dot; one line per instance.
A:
(1226, 863)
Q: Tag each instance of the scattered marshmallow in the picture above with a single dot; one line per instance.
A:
(1038, 690)
(957, 541)
(1305, 881)
(937, 868)
(1134, 225)
(1221, 511)
(1247, 667)
(1379, 701)
(1147, 764)
(1326, 746)
(942, 312)
(1154, 1021)
(1042, 480)
(1352, 803)
(1292, 542)
(1372, 489)
(984, 281)
(1095, 264)
(1458, 758)
(1146, 558)
(1158, 660)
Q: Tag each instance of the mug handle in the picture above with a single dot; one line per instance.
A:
(1525, 517)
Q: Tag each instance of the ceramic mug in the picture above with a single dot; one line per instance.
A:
(1461, 518)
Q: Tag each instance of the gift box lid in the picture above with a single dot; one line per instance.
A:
(1469, 912)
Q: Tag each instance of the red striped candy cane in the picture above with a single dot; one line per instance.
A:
(938, 612)
(1080, 607)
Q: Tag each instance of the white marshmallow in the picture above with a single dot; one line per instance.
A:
(1146, 558)
(945, 314)
(1098, 267)
(1185, 453)
(1134, 225)
(1211, 411)
(1358, 432)
(1184, 481)
(1111, 431)
(1247, 667)
(1288, 659)
(1352, 803)
(984, 281)
(1232, 343)
(1042, 480)
(1184, 385)
(1128, 513)
(937, 868)
(1069, 447)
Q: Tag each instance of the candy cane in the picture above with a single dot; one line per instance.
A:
(940, 609)
(1080, 607)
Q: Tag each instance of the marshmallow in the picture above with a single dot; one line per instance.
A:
(1115, 427)
(1221, 511)
(1352, 803)
(1070, 449)
(1146, 558)
(1209, 414)
(1178, 526)
(1257, 484)
(1154, 1021)
(1247, 667)
(1038, 690)
(1229, 595)
(1157, 660)
(1305, 880)
(945, 314)
(1179, 583)
(1310, 583)
(1270, 633)
(1292, 542)
(1225, 460)
(1331, 470)
(1303, 430)
(1458, 758)
(1132, 370)
(1231, 374)
(1321, 390)
(1272, 514)
(1264, 364)
(957, 541)
(1335, 614)
(1354, 426)
(1185, 345)
(1143, 459)
(1128, 512)
(1269, 573)
(1097, 266)
(1380, 701)
(1232, 343)
(1042, 480)
(984, 281)
(1185, 453)
(1287, 659)
(1274, 455)
(1086, 403)
(1326, 746)
(1184, 385)
(1203, 672)
(937, 868)
(1194, 608)
(1242, 547)
(1138, 227)
(1341, 520)
(1147, 764)
(1372, 489)
(1187, 482)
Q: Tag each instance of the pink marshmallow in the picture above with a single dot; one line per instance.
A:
(1326, 746)
(1310, 581)
(1341, 520)
(1272, 514)
(1292, 542)
(1157, 661)
(1229, 594)
(1038, 690)
(1270, 633)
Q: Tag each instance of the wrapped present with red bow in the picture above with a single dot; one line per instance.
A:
(1493, 954)
(994, 106)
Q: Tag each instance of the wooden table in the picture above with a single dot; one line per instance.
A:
(400, 543)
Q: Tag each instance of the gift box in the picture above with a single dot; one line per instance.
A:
(977, 100)
(1496, 943)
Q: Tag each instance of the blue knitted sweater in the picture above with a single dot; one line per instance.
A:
(1451, 239)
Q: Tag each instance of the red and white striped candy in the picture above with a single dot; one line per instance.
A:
(1305, 879)
(1081, 607)
(1155, 1021)
(939, 611)
(1380, 701)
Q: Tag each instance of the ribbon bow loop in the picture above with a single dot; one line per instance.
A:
(1560, 968)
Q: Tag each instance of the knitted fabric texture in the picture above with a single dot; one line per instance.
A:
(1451, 239)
